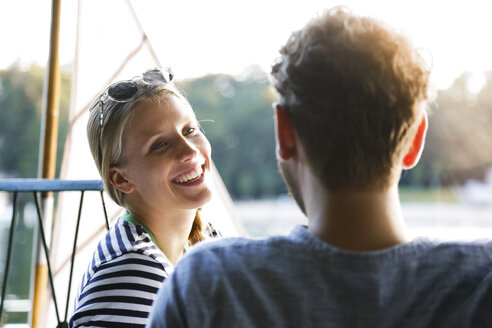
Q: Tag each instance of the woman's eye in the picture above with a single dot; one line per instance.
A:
(189, 131)
(157, 146)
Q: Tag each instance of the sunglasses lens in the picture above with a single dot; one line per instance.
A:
(123, 91)
(157, 75)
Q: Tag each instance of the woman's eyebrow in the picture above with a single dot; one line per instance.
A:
(150, 138)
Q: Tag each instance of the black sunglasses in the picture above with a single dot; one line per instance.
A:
(127, 90)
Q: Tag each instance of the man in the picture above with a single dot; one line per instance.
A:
(351, 117)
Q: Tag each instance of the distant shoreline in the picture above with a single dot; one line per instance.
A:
(443, 221)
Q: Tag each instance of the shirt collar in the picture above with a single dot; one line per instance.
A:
(127, 216)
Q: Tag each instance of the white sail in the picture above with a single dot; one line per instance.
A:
(109, 47)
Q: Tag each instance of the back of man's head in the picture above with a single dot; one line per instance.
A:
(354, 89)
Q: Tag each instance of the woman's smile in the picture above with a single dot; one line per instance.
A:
(190, 176)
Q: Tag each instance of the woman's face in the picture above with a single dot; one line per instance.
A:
(166, 158)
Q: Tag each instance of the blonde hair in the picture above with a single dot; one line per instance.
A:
(106, 140)
(353, 88)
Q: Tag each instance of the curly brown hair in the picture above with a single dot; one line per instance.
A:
(353, 88)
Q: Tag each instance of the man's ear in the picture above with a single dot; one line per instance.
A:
(285, 134)
(413, 154)
(119, 181)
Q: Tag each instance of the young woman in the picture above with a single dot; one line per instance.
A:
(154, 161)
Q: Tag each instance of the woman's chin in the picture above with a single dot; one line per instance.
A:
(206, 197)
(199, 199)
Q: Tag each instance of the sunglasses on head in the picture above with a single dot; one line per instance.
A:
(126, 90)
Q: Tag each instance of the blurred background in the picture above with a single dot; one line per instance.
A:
(221, 52)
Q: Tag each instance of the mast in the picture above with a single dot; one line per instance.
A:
(47, 159)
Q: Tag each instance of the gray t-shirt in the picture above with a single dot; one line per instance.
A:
(300, 281)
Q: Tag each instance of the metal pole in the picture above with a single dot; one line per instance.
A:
(48, 148)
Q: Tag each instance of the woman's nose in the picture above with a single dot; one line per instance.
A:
(186, 151)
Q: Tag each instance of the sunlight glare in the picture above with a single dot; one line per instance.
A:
(476, 82)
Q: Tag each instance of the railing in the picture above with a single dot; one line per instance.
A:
(36, 186)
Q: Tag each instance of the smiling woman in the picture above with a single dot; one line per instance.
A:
(155, 161)
(166, 156)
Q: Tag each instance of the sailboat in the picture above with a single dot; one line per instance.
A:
(109, 47)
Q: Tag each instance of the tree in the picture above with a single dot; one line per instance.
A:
(237, 118)
(459, 137)
(20, 119)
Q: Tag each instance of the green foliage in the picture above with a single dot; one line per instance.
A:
(459, 138)
(22, 245)
(20, 119)
(237, 117)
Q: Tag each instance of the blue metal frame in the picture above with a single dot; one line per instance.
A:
(50, 185)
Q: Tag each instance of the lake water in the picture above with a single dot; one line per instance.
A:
(445, 221)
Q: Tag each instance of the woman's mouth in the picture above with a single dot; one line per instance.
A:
(190, 176)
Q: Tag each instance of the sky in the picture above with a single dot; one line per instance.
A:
(220, 36)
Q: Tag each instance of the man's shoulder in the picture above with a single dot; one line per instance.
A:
(231, 250)
(301, 241)
(457, 259)
(236, 245)
(473, 251)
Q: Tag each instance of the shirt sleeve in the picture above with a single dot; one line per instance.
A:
(120, 293)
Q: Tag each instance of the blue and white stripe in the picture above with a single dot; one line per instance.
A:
(122, 280)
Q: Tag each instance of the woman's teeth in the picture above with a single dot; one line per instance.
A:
(193, 175)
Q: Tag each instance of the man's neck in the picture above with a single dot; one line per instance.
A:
(357, 220)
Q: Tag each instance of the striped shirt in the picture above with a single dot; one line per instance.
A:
(122, 280)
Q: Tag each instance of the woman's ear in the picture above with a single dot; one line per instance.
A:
(119, 180)
(413, 154)
(285, 134)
